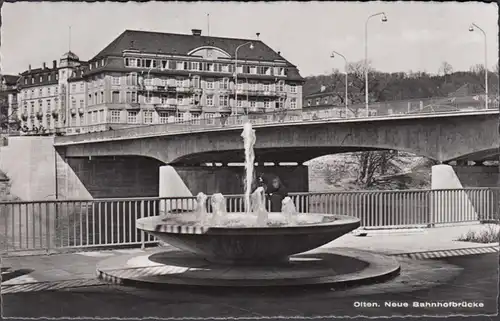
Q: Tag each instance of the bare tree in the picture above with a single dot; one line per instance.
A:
(374, 163)
(446, 68)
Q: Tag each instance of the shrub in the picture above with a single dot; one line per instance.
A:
(491, 234)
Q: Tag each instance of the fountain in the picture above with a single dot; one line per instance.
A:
(221, 248)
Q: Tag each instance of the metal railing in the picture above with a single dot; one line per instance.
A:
(70, 224)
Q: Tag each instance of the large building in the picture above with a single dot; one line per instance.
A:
(45, 96)
(153, 78)
(8, 103)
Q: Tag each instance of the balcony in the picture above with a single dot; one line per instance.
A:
(217, 109)
(165, 106)
(258, 93)
(190, 108)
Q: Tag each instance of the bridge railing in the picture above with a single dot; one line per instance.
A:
(71, 224)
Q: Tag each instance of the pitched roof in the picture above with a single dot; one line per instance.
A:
(182, 44)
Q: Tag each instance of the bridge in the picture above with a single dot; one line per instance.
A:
(446, 136)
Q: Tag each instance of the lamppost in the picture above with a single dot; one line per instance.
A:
(471, 29)
(384, 19)
(346, 76)
(236, 74)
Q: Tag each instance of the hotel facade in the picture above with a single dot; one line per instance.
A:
(144, 78)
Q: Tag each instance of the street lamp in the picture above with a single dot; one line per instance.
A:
(236, 73)
(472, 29)
(346, 84)
(384, 19)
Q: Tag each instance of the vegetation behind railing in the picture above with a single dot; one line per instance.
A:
(51, 225)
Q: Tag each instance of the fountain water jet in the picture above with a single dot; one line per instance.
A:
(249, 139)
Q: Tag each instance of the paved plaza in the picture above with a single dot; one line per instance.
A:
(64, 285)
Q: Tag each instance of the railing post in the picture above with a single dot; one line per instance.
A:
(431, 204)
(143, 235)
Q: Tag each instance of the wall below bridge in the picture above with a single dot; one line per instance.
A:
(478, 176)
(112, 177)
(229, 179)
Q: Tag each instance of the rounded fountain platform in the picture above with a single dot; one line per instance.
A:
(335, 267)
(236, 241)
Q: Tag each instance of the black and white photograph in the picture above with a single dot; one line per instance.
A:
(249, 160)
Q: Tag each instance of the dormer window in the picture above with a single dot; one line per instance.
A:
(41, 79)
(48, 76)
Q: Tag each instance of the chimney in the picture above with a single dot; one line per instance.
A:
(29, 68)
(196, 32)
(54, 64)
(44, 66)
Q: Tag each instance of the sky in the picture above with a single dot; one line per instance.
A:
(416, 37)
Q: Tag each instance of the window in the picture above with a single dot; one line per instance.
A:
(293, 88)
(56, 89)
(239, 86)
(115, 97)
(130, 62)
(293, 103)
(326, 101)
(210, 100)
(180, 65)
(73, 120)
(132, 117)
(239, 103)
(252, 104)
(41, 79)
(267, 87)
(196, 82)
(225, 83)
(195, 66)
(180, 100)
(40, 104)
(25, 108)
(73, 88)
(32, 109)
(48, 105)
(224, 68)
(40, 92)
(164, 64)
(94, 117)
(178, 82)
(163, 118)
(210, 84)
(57, 76)
(279, 71)
(47, 122)
(317, 101)
(82, 104)
(73, 103)
(134, 97)
(102, 118)
(102, 97)
(209, 66)
(267, 104)
(280, 85)
(253, 70)
(48, 77)
(224, 101)
(115, 116)
(148, 117)
(309, 102)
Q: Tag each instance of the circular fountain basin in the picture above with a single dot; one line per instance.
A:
(238, 241)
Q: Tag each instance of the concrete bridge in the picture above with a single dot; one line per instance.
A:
(442, 137)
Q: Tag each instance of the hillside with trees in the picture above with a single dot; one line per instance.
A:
(388, 169)
(402, 85)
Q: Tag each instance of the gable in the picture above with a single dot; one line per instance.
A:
(208, 52)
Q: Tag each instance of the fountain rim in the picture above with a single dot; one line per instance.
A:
(142, 224)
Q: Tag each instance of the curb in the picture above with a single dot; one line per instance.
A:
(437, 254)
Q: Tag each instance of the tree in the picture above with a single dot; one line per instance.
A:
(446, 69)
(374, 163)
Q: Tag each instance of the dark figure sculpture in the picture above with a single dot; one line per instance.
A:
(276, 193)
